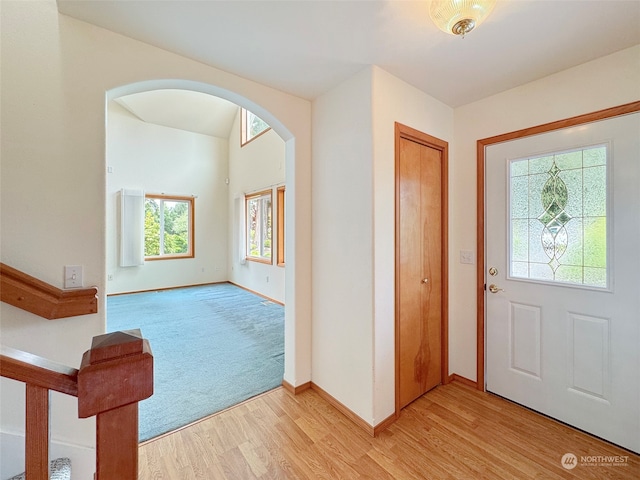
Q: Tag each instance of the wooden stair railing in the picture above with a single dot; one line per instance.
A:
(38, 297)
(113, 377)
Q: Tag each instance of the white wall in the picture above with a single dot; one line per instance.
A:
(342, 254)
(55, 74)
(393, 101)
(603, 83)
(353, 182)
(257, 166)
(353, 287)
(160, 159)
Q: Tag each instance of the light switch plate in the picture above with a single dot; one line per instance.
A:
(466, 256)
(73, 276)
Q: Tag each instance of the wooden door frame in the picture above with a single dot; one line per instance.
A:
(625, 109)
(408, 133)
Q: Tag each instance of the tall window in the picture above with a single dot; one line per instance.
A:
(168, 227)
(558, 217)
(258, 215)
(280, 221)
(251, 126)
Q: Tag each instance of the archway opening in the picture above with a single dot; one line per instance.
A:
(139, 157)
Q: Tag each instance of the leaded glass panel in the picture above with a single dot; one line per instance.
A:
(558, 217)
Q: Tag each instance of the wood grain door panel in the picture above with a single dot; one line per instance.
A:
(419, 279)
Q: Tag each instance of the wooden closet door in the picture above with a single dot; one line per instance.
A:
(419, 279)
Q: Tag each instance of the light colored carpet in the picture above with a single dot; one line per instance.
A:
(213, 346)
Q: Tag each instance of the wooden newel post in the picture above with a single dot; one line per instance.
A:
(114, 376)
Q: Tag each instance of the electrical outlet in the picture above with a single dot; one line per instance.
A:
(73, 276)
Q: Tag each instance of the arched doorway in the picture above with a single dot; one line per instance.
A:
(289, 160)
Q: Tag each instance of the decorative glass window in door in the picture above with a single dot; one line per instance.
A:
(558, 217)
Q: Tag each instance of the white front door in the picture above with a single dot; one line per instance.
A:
(563, 275)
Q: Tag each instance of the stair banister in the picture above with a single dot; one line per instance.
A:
(113, 377)
(40, 376)
(40, 298)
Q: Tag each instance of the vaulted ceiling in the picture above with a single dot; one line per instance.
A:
(183, 109)
(306, 47)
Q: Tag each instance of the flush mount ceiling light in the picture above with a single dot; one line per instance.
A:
(459, 17)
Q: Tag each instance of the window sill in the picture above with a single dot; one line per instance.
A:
(266, 261)
(168, 257)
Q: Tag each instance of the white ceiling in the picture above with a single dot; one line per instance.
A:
(306, 47)
(183, 109)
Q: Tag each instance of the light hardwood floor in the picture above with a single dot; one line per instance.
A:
(452, 432)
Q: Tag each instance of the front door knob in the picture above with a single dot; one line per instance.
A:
(493, 288)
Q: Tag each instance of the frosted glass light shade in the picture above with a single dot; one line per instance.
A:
(459, 17)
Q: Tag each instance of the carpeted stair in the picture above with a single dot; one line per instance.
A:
(60, 469)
